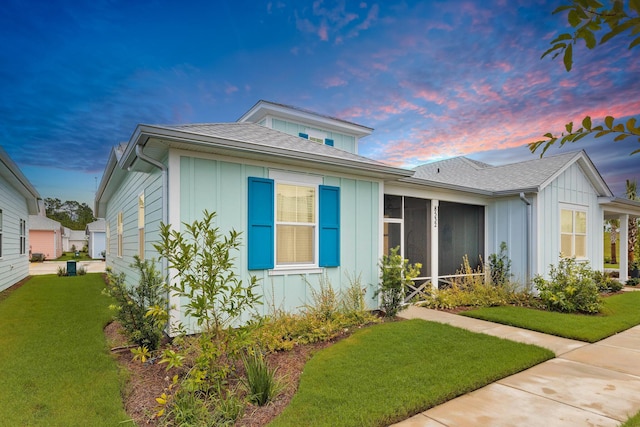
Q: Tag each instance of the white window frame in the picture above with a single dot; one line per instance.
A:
(23, 237)
(281, 177)
(141, 218)
(395, 221)
(120, 234)
(574, 209)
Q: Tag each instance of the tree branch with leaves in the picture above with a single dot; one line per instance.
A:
(595, 23)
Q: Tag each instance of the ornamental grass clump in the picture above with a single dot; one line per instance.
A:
(260, 380)
(571, 288)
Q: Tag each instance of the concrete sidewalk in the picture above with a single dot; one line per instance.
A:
(585, 385)
(51, 267)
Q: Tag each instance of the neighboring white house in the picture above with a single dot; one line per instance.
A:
(74, 238)
(292, 182)
(96, 238)
(18, 200)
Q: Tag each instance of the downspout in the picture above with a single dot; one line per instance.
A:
(165, 192)
(528, 236)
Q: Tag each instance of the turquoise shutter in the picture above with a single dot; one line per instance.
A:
(260, 243)
(329, 226)
(328, 141)
(303, 135)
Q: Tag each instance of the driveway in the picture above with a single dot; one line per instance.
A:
(51, 267)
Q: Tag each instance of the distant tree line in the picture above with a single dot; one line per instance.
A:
(69, 213)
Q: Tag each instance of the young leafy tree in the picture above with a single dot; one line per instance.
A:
(595, 23)
(613, 224)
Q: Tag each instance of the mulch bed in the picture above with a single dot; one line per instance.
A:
(147, 381)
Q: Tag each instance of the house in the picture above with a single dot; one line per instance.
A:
(18, 200)
(96, 238)
(307, 204)
(73, 239)
(45, 236)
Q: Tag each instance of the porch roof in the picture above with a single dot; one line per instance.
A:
(615, 206)
(526, 176)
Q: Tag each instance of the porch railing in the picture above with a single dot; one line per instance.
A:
(421, 286)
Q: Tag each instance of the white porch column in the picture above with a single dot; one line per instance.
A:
(435, 204)
(624, 248)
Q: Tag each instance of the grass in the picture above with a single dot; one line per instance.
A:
(55, 364)
(70, 256)
(389, 372)
(620, 312)
(633, 421)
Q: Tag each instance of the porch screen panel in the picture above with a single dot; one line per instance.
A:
(417, 232)
(392, 236)
(461, 232)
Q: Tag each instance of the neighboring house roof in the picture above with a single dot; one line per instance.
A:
(527, 176)
(39, 222)
(100, 225)
(263, 108)
(10, 171)
(77, 235)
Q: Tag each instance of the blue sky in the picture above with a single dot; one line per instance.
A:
(434, 78)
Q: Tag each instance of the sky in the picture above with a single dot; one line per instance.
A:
(435, 79)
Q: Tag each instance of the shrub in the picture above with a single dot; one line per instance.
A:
(395, 274)
(62, 271)
(134, 304)
(571, 288)
(260, 381)
(500, 266)
(81, 270)
(634, 281)
(606, 283)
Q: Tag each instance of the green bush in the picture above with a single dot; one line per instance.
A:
(634, 281)
(395, 274)
(133, 304)
(606, 283)
(571, 288)
(62, 271)
(500, 266)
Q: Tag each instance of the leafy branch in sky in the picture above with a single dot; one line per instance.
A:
(589, 20)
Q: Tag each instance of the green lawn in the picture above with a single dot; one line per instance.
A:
(55, 364)
(389, 372)
(70, 256)
(619, 312)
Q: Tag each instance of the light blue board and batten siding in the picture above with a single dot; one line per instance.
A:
(341, 141)
(507, 222)
(125, 199)
(572, 188)
(222, 186)
(13, 266)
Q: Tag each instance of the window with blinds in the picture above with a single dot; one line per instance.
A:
(573, 233)
(295, 224)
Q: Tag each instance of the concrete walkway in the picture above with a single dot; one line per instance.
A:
(585, 385)
(51, 267)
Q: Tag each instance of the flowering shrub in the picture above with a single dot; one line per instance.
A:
(571, 288)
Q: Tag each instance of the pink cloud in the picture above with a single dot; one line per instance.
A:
(334, 82)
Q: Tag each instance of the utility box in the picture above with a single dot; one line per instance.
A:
(71, 268)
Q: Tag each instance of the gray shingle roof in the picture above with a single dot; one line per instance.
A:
(463, 172)
(262, 136)
(39, 222)
(96, 226)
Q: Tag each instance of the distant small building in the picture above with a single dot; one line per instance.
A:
(18, 199)
(96, 238)
(77, 238)
(45, 236)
